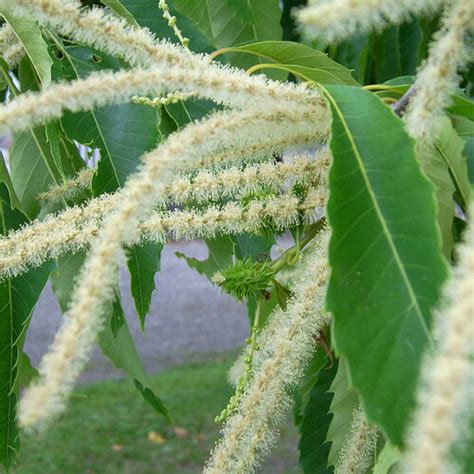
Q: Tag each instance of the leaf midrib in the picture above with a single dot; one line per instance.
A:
(379, 214)
(99, 130)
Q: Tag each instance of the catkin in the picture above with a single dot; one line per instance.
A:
(438, 78)
(95, 27)
(447, 372)
(70, 188)
(359, 448)
(107, 88)
(75, 229)
(335, 20)
(11, 49)
(61, 366)
(248, 432)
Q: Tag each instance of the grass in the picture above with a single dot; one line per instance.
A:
(108, 428)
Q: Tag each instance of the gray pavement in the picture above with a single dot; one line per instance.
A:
(189, 318)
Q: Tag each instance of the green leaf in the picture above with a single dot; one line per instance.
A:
(386, 460)
(121, 350)
(462, 105)
(451, 147)
(267, 306)
(345, 400)
(117, 7)
(146, 13)
(436, 168)
(353, 54)
(221, 251)
(283, 294)
(313, 448)
(33, 166)
(228, 25)
(385, 54)
(385, 256)
(410, 35)
(123, 133)
(33, 169)
(18, 298)
(182, 113)
(254, 246)
(26, 372)
(143, 262)
(302, 395)
(465, 129)
(304, 62)
(29, 34)
(446, 166)
(115, 340)
(6, 180)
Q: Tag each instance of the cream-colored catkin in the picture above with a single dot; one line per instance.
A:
(249, 430)
(70, 188)
(170, 98)
(61, 366)
(438, 78)
(74, 230)
(335, 20)
(358, 449)
(95, 27)
(11, 49)
(107, 88)
(447, 372)
(225, 183)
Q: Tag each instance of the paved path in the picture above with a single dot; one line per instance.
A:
(189, 318)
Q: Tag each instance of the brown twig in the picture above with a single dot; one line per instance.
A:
(400, 105)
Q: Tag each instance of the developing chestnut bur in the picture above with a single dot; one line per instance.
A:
(347, 125)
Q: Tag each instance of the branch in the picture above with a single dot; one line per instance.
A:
(400, 105)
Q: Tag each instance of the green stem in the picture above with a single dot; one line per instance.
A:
(288, 257)
(376, 87)
(253, 335)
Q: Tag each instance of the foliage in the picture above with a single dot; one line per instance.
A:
(353, 130)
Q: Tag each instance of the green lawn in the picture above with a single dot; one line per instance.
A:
(109, 429)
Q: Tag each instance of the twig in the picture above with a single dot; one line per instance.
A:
(400, 105)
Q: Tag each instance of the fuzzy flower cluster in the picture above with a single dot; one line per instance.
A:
(70, 188)
(11, 49)
(260, 116)
(138, 47)
(338, 19)
(438, 78)
(248, 431)
(359, 448)
(209, 185)
(45, 399)
(76, 228)
(170, 98)
(448, 372)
